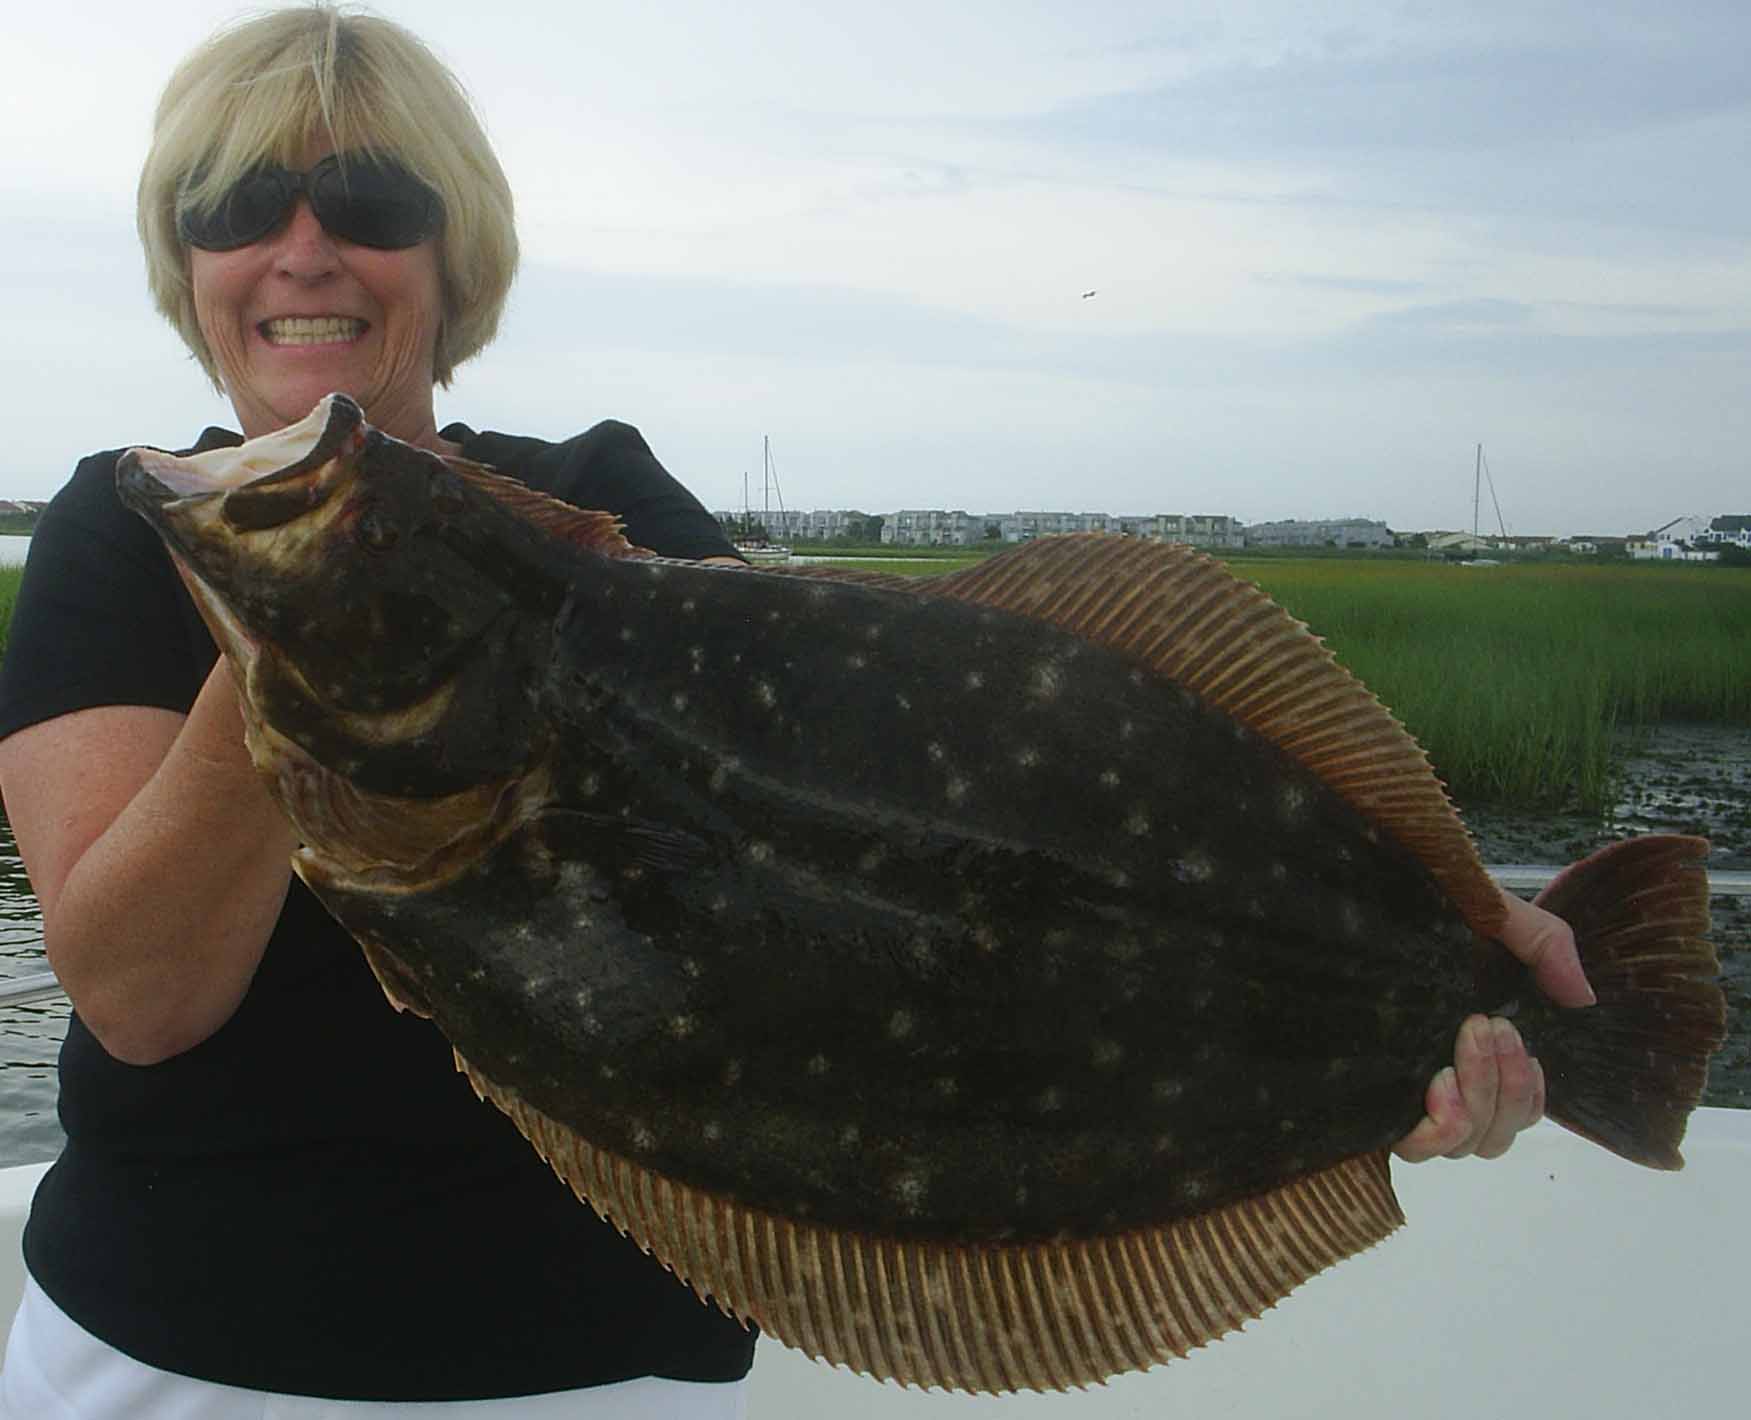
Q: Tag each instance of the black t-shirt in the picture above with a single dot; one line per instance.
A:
(312, 1200)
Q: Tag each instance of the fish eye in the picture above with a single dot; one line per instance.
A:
(374, 532)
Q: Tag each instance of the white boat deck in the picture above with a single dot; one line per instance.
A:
(1559, 1282)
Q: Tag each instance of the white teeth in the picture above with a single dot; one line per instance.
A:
(312, 330)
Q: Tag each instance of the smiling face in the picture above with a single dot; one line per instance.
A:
(301, 313)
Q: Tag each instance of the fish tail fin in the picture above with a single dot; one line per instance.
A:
(1627, 1072)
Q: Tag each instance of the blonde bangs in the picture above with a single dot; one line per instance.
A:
(266, 89)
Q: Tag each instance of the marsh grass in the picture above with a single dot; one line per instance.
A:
(10, 579)
(1515, 679)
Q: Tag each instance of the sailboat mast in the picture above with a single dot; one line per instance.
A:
(1476, 488)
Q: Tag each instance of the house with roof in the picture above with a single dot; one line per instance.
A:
(1730, 530)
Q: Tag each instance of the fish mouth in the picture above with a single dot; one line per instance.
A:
(262, 484)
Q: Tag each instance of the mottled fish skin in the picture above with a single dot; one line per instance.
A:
(888, 912)
(996, 982)
(1078, 956)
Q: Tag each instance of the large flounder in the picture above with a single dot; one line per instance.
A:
(995, 981)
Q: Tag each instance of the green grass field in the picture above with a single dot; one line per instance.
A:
(10, 577)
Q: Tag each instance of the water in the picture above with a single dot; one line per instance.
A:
(13, 547)
(30, 1036)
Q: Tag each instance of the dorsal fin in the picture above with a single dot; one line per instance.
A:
(979, 1317)
(1186, 616)
(585, 528)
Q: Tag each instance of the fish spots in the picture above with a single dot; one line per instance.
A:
(1106, 1054)
(732, 1073)
(934, 752)
(627, 635)
(872, 859)
(901, 1025)
(590, 785)
(901, 700)
(643, 1137)
(1137, 823)
(764, 695)
(818, 1065)
(1292, 803)
(721, 772)
(1046, 680)
(1127, 729)
(711, 1131)
(851, 1138)
(678, 702)
(985, 939)
(689, 605)
(910, 1189)
(955, 790)
(1050, 1100)
(1166, 1091)
(946, 1086)
(692, 968)
(1109, 779)
(696, 659)
(974, 680)
(758, 851)
(1162, 1144)
(1124, 948)
(1192, 1186)
(1194, 867)
(536, 984)
(856, 661)
(1350, 918)
(1027, 757)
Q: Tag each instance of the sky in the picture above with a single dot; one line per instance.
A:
(1334, 248)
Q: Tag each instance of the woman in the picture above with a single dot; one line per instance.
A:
(273, 1185)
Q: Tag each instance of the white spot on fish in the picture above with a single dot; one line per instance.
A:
(819, 1065)
(678, 701)
(901, 700)
(589, 1024)
(975, 680)
(1193, 1186)
(1137, 824)
(1047, 680)
(719, 903)
(850, 1137)
(720, 776)
(1350, 918)
(1027, 757)
(692, 968)
(947, 1086)
(1194, 867)
(765, 694)
(712, 1130)
(1050, 1100)
(872, 859)
(1126, 948)
(683, 1026)
(689, 605)
(1291, 803)
(590, 785)
(696, 659)
(1127, 729)
(936, 752)
(1279, 872)
(642, 1137)
(1109, 779)
(535, 985)
(900, 1025)
(1167, 1091)
(856, 662)
(1107, 1053)
(985, 939)
(607, 1072)
(956, 789)
(910, 1189)
(627, 634)
(758, 851)
(1200, 999)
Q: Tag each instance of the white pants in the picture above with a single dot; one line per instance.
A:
(56, 1370)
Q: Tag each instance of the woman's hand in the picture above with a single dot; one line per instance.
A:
(1494, 1089)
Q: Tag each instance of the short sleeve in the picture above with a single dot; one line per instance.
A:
(101, 617)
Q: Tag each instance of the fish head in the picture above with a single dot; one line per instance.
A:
(368, 594)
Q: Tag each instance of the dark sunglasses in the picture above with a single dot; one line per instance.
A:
(372, 201)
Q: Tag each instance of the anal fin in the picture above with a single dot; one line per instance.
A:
(980, 1317)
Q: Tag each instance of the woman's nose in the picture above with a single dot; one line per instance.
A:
(305, 249)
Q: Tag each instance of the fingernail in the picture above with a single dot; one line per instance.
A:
(1507, 1039)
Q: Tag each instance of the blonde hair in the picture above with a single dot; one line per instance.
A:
(263, 90)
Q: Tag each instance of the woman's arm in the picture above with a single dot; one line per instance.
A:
(158, 858)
